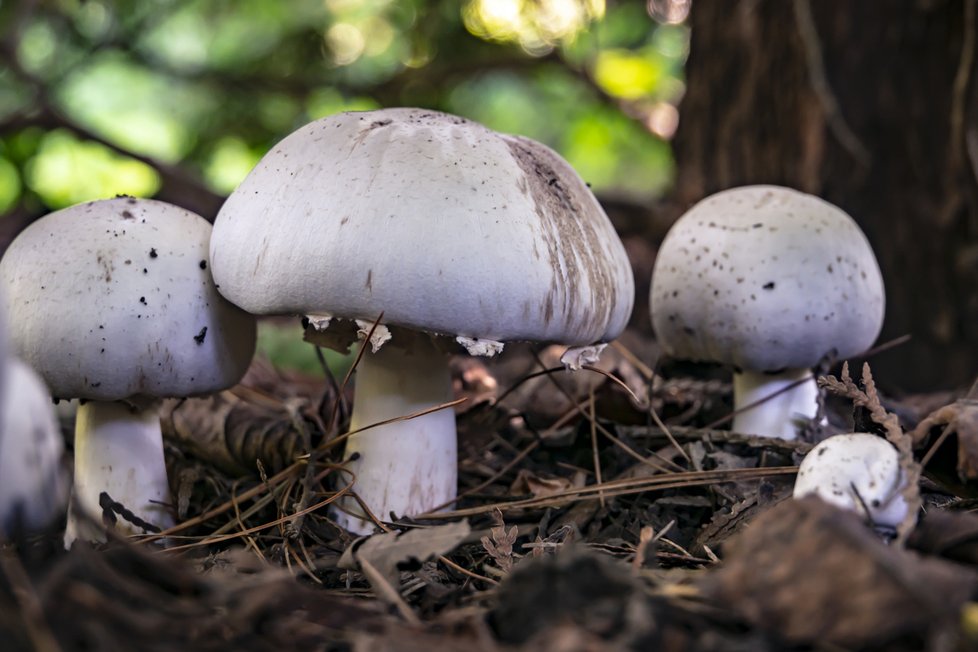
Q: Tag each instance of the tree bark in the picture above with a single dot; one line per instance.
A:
(874, 107)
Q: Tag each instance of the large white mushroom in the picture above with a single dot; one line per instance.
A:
(33, 482)
(770, 281)
(443, 226)
(112, 302)
(858, 472)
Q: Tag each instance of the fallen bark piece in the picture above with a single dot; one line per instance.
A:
(390, 552)
(807, 572)
(127, 598)
(595, 597)
(952, 535)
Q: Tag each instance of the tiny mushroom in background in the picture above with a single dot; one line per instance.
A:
(446, 228)
(770, 281)
(33, 481)
(858, 472)
(112, 302)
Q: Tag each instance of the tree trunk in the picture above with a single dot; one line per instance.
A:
(874, 107)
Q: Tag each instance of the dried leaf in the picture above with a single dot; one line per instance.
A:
(232, 434)
(960, 418)
(389, 551)
(812, 573)
(500, 547)
(554, 542)
(952, 535)
(528, 482)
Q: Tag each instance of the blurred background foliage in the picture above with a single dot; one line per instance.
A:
(180, 98)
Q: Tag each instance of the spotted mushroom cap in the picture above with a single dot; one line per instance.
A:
(114, 299)
(766, 278)
(857, 472)
(438, 222)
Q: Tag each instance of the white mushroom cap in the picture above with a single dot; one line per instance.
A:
(33, 483)
(114, 299)
(856, 472)
(3, 338)
(766, 278)
(438, 222)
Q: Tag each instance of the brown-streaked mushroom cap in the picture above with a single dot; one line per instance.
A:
(114, 299)
(443, 225)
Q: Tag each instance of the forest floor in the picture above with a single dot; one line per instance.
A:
(608, 509)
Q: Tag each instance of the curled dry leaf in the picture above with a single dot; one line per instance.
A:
(528, 482)
(232, 434)
(811, 573)
(959, 418)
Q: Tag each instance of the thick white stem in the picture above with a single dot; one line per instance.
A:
(778, 416)
(119, 451)
(407, 467)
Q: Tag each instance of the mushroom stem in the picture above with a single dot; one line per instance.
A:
(119, 451)
(407, 467)
(779, 415)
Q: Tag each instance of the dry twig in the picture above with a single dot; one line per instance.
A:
(868, 398)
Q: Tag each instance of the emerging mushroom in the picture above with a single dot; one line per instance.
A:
(112, 302)
(33, 484)
(858, 472)
(446, 228)
(771, 281)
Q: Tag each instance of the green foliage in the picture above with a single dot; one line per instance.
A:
(282, 343)
(183, 96)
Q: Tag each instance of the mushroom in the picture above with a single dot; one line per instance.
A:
(445, 228)
(858, 472)
(33, 484)
(771, 281)
(112, 302)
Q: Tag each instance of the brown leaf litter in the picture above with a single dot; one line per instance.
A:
(593, 524)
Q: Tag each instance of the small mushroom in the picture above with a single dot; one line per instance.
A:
(858, 472)
(33, 482)
(446, 228)
(107, 301)
(770, 281)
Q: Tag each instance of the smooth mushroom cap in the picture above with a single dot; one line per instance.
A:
(33, 482)
(858, 472)
(438, 222)
(3, 337)
(766, 278)
(114, 299)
